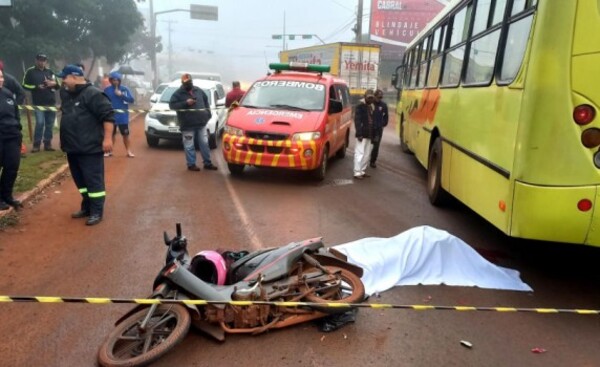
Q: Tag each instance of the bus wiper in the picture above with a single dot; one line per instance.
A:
(288, 107)
(249, 106)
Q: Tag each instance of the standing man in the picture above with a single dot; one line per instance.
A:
(10, 145)
(380, 120)
(363, 123)
(85, 133)
(192, 123)
(42, 83)
(234, 95)
(120, 97)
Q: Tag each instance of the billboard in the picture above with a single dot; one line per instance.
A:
(395, 23)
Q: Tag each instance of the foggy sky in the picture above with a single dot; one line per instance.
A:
(239, 45)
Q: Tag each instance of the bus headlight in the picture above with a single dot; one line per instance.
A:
(307, 136)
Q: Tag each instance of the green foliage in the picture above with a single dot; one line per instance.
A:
(36, 167)
(66, 31)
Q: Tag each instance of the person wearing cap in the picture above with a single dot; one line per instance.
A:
(380, 120)
(192, 123)
(120, 96)
(86, 128)
(10, 145)
(363, 123)
(42, 83)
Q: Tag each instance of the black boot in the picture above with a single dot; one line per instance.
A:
(14, 203)
(93, 220)
(4, 206)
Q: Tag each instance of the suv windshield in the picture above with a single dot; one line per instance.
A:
(166, 96)
(286, 94)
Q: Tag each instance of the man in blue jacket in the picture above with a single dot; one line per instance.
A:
(120, 97)
(192, 123)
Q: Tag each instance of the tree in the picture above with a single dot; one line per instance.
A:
(140, 45)
(67, 31)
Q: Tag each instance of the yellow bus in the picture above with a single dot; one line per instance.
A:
(499, 100)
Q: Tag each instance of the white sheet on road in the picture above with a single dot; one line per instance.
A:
(426, 255)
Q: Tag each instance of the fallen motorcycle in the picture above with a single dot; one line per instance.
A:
(298, 272)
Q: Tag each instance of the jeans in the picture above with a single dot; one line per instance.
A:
(188, 137)
(44, 122)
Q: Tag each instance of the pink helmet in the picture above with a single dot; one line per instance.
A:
(210, 267)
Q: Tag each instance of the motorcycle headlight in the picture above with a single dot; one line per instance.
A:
(307, 136)
(233, 131)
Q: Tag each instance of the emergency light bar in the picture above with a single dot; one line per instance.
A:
(300, 66)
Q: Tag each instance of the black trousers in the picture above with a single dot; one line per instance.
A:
(10, 159)
(377, 136)
(87, 171)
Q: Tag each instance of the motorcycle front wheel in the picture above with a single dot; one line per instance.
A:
(128, 345)
(350, 290)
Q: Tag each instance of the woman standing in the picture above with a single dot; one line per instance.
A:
(10, 146)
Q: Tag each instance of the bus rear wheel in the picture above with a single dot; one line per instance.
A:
(437, 195)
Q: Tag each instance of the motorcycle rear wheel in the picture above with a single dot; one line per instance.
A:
(352, 284)
(127, 346)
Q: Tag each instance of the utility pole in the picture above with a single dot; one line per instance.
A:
(359, 16)
(283, 38)
(153, 48)
(170, 66)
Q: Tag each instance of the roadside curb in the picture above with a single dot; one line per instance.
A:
(41, 186)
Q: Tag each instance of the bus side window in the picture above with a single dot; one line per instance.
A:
(514, 51)
(435, 65)
(453, 59)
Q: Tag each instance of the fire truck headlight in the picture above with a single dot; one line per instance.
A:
(233, 131)
(307, 136)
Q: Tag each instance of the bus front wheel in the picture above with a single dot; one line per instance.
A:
(437, 195)
(403, 146)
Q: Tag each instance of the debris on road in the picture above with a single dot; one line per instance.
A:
(466, 344)
(538, 350)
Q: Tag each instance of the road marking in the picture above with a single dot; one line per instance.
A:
(255, 242)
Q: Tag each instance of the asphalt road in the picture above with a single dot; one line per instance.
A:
(50, 254)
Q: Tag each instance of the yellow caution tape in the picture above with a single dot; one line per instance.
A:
(150, 301)
(52, 108)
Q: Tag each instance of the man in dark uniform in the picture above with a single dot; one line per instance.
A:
(85, 135)
(10, 145)
(380, 120)
(42, 83)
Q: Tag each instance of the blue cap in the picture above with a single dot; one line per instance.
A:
(115, 75)
(70, 70)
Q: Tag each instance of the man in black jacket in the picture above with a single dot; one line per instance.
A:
(10, 146)
(192, 123)
(42, 83)
(363, 123)
(85, 135)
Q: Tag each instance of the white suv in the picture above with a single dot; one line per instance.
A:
(161, 122)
